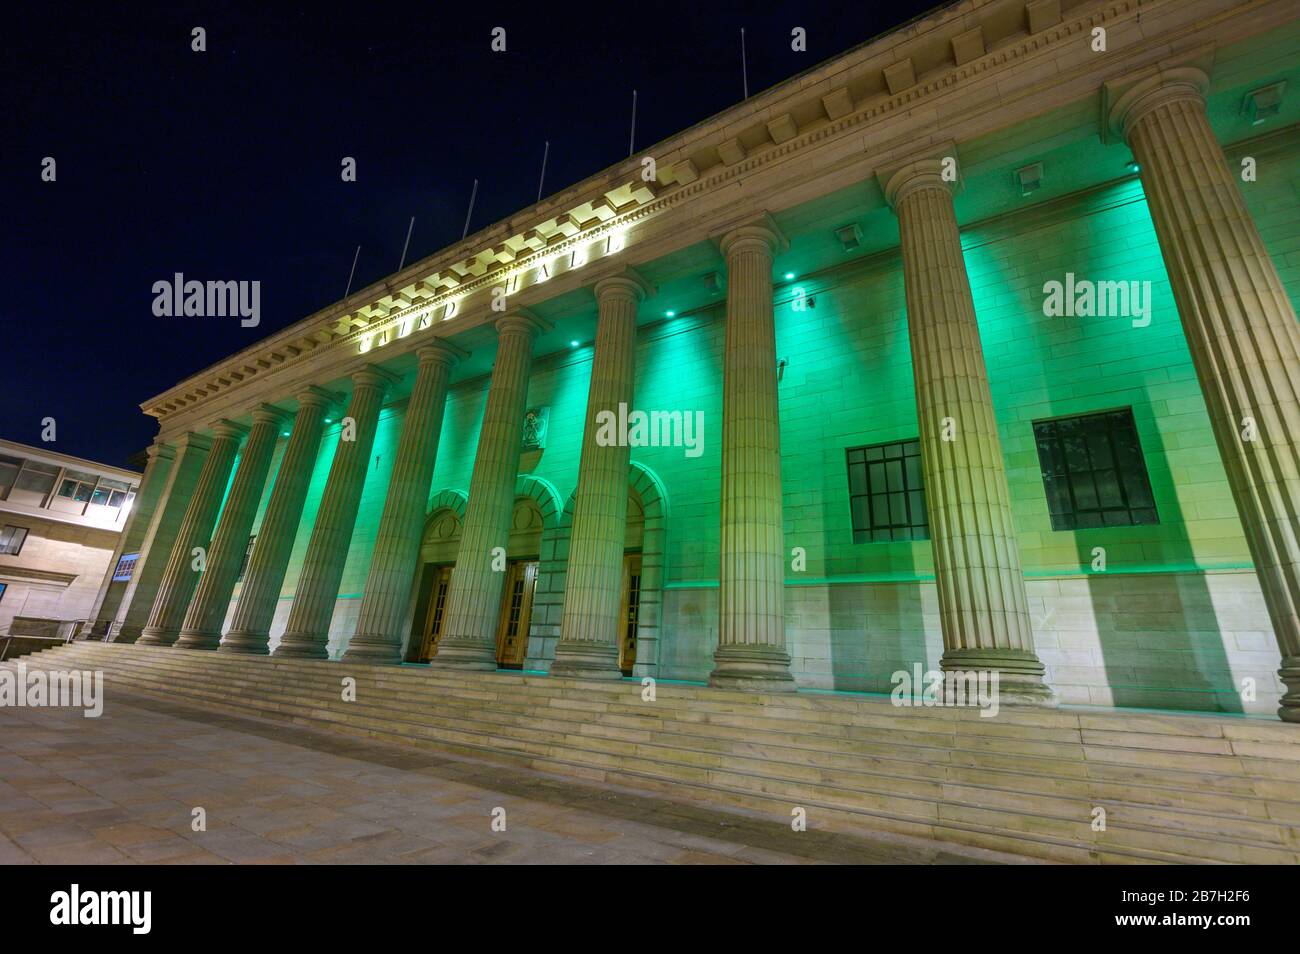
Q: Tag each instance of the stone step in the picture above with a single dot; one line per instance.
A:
(1122, 749)
(988, 831)
(937, 763)
(1247, 739)
(697, 767)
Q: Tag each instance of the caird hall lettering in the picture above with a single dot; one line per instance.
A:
(192, 298)
(103, 907)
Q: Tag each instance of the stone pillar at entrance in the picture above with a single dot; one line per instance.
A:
(1239, 323)
(751, 650)
(207, 611)
(147, 498)
(180, 577)
(384, 606)
(133, 612)
(983, 610)
(251, 626)
(590, 627)
(474, 599)
(307, 632)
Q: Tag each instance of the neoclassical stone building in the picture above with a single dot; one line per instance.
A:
(974, 347)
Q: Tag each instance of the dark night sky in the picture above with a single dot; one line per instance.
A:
(225, 164)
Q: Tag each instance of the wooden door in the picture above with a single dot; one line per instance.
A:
(434, 618)
(631, 612)
(516, 612)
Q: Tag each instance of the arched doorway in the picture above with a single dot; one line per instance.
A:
(529, 553)
(438, 549)
(643, 572)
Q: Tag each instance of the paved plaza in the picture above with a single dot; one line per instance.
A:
(123, 788)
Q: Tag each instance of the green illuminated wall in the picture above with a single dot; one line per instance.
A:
(1175, 621)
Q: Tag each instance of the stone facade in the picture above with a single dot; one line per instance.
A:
(807, 302)
(64, 525)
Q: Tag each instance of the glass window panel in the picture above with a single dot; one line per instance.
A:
(100, 497)
(912, 471)
(1099, 449)
(857, 478)
(83, 493)
(1108, 492)
(894, 473)
(898, 509)
(116, 499)
(68, 488)
(880, 510)
(861, 518)
(1085, 493)
(1076, 454)
(875, 453)
(877, 477)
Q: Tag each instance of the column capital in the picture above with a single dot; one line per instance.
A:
(1128, 98)
(159, 450)
(317, 397)
(195, 440)
(373, 376)
(521, 319)
(761, 230)
(440, 351)
(625, 282)
(923, 170)
(228, 429)
(269, 414)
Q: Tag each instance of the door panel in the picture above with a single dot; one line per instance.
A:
(434, 619)
(516, 613)
(631, 612)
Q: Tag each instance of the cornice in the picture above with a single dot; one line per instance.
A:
(447, 290)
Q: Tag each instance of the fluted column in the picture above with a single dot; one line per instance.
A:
(983, 609)
(133, 612)
(207, 611)
(308, 627)
(751, 650)
(180, 577)
(474, 599)
(1240, 327)
(147, 497)
(591, 625)
(384, 606)
(251, 626)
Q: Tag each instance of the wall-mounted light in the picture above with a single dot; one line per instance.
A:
(1030, 178)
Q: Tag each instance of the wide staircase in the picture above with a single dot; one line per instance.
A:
(1173, 788)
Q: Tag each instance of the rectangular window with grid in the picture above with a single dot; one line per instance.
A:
(1094, 472)
(11, 540)
(125, 567)
(886, 496)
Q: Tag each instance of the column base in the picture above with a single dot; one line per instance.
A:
(463, 653)
(373, 650)
(1289, 708)
(302, 646)
(252, 644)
(156, 637)
(582, 660)
(752, 669)
(1020, 674)
(192, 640)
